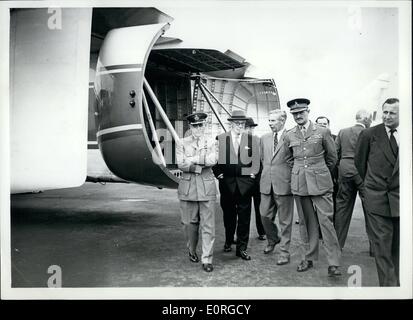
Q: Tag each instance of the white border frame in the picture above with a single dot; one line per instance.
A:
(405, 84)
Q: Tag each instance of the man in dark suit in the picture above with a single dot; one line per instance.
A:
(377, 161)
(237, 167)
(276, 196)
(256, 195)
(315, 156)
(349, 180)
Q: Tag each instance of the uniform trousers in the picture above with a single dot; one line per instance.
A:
(317, 212)
(283, 205)
(197, 215)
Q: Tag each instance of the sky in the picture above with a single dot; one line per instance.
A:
(331, 55)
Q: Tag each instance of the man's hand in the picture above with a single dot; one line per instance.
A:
(252, 176)
(220, 176)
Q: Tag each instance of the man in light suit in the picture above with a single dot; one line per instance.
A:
(237, 168)
(195, 155)
(377, 161)
(315, 157)
(276, 196)
(349, 180)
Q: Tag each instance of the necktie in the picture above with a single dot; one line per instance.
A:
(393, 143)
(275, 143)
(303, 130)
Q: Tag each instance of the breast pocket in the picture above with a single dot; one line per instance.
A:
(184, 184)
(294, 144)
(316, 144)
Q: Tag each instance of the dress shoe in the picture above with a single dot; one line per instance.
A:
(304, 265)
(333, 271)
(262, 237)
(193, 257)
(270, 247)
(243, 254)
(227, 247)
(283, 260)
(208, 267)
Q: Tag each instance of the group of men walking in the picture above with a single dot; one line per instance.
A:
(297, 164)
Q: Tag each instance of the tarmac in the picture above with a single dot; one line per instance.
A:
(129, 235)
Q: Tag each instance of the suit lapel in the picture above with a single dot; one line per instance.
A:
(268, 147)
(396, 166)
(383, 140)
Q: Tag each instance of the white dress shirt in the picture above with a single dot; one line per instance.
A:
(236, 139)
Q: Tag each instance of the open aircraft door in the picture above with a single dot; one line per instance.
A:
(145, 91)
(121, 132)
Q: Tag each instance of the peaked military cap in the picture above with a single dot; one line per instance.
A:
(197, 118)
(298, 105)
(250, 123)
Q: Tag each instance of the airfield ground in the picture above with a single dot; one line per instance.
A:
(128, 235)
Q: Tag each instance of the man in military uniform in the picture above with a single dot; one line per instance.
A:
(314, 154)
(196, 154)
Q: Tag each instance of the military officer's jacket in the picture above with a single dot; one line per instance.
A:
(314, 157)
(195, 159)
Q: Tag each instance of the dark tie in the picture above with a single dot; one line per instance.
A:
(275, 142)
(393, 143)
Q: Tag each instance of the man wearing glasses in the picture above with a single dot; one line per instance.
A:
(196, 154)
(237, 168)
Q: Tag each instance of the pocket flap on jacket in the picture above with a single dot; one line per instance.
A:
(294, 143)
(322, 170)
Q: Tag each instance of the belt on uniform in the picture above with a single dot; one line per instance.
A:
(309, 160)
